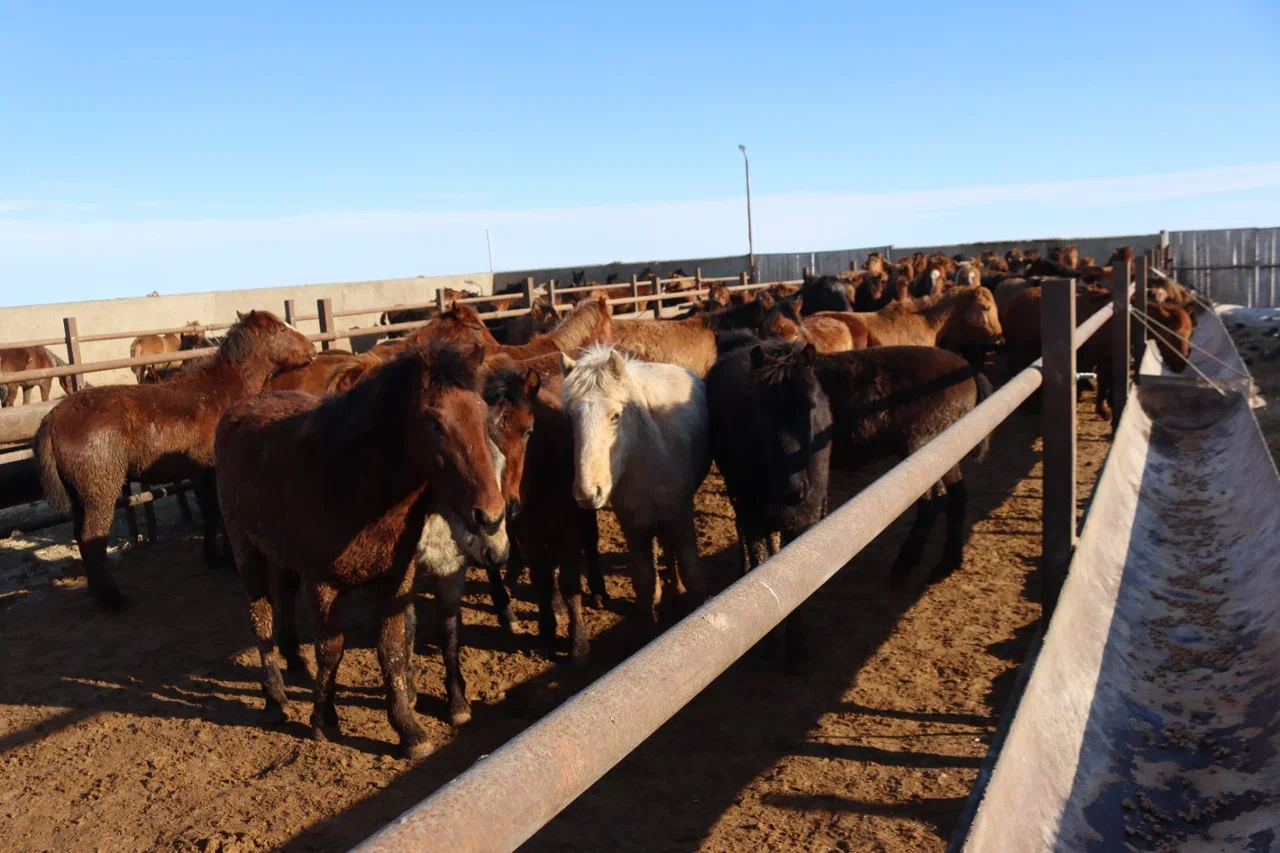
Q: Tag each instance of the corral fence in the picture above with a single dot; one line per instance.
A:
(506, 797)
(1235, 266)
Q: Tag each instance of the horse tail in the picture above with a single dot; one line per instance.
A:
(57, 362)
(979, 453)
(55, 491)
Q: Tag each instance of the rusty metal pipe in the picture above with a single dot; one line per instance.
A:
(506, 797)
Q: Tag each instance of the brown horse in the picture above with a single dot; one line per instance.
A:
(892, 401)
(540, 319)
(92, 443)
(338, 491)
(783, 322)
(588, 323)
(157, 345)
(319, 376)
(460, 325)
(689, 343)
(15, 359)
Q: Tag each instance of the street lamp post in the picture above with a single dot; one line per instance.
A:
(751, 243)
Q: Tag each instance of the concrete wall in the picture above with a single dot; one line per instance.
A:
(155, 312)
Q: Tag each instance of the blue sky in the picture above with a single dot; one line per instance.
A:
(198, 146)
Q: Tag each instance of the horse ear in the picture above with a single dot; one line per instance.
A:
(475, 358)
(532, 382)
(765, 299)
(617, 364)
(808, 355)
(567, 364)
(757, 357)
(239, 316)
(799, 302)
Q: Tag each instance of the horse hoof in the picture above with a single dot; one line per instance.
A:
(599, 601)
(325, 734)
(460, 717)
(111, 600)
(507, 621)
(274, 715)
(415, 750)
(579, 656)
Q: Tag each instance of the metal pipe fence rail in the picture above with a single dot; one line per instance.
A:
(76, 367)
(503, 799)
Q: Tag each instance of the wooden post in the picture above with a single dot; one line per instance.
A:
(528, 291)
(743, 278)
(1120, 347)
(290, 311)
(657, 292)
(1058, 426)
(324, 307)
(441, 306)
(73, 350)
(635, 294)
(551, 294)
(697, 279)
(805, 273)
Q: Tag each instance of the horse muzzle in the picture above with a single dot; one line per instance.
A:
(591, 497)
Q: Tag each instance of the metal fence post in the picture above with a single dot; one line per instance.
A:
(1144, 281)
(1058, 425)
(324, 307)
(72, 336)
(290, 311)
(1120, 346)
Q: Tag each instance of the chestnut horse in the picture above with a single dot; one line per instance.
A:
(338, 491)
(15, 359)
(588, 323)
(92, 443)
(159, 345)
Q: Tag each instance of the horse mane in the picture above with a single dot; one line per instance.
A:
(505, 385)
(591, 373)
(781, 363)
(583, 324)
(746, 315)
(349, 418)
(238, 344)
(732, 340)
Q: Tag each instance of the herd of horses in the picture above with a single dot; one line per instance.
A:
(446, 448)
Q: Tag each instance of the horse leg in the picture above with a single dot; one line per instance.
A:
(410, 643)
(256, 576)
(92, 526)
(571, 592)
(591, 547)
(149, 515)
(395, 597)
(501, 598)
(957, 504)
(45, 388)
(329, 648)
(284, 594)
(684, 541)
(449, 613)
(207, 498)
(26, 395)
(184, 506)
(130, 514)
(644, 575)
(542, 572)
(913, 549)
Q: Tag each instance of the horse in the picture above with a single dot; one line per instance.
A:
(552, 530)
(771, 441)
(94, 442)
(406, 315)
(338, 492)
(332, 370)
(540, 319)
(640, 442)
(192, 339)
(892, 401)
(588, 323)
(15, 359)
(460, 325)
(157, 345)
(688, 343)
(824, 293)
(784, 322)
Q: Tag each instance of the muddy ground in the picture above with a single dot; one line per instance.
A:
(142, 731)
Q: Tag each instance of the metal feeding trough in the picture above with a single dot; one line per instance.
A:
(1151, 719)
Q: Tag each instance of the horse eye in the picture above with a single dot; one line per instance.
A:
(615, 417)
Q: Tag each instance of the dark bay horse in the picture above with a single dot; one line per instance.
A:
(771, 440)
(892, 401)
(93, 442)
(337, 492)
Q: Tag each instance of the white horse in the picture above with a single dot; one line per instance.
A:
(640, 437)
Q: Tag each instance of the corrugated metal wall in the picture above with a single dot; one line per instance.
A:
(1232, 266)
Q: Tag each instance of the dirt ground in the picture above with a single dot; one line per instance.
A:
(142, 731)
